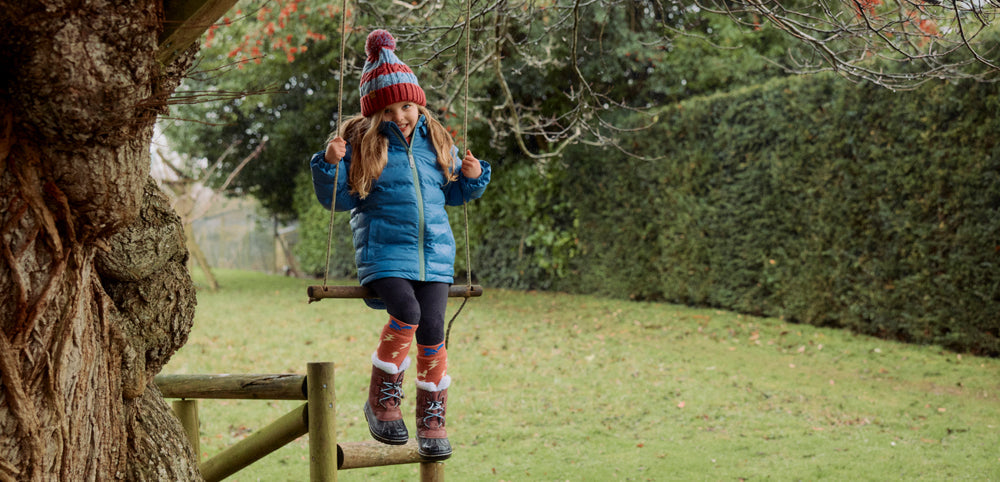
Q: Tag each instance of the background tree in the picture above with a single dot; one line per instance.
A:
(191, 199)
(282, 52)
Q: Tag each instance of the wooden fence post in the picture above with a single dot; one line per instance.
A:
(187, 412)
(322, 422)
(431, 471)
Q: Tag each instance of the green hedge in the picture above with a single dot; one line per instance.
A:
(813, 199)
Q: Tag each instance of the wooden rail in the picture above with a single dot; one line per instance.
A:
(317, 293)
(244, 387)
(316, 417)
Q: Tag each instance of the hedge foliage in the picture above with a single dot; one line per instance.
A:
(813, 199)
(809, 198)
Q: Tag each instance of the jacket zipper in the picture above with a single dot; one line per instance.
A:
(420, 207)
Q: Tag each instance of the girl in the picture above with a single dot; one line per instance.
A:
(400, 169)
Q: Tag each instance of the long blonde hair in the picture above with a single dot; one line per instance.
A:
(370, 149)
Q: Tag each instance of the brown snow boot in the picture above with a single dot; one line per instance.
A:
(432, 439)
(385, 420)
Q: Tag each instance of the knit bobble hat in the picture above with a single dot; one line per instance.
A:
(385, 79)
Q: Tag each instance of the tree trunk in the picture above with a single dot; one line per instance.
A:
(94, 292)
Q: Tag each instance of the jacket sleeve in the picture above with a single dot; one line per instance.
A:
(323, 175)
(465, 189)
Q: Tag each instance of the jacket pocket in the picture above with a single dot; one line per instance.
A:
(371, 241)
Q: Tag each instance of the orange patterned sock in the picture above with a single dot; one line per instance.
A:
(395, 342)
(432, 363)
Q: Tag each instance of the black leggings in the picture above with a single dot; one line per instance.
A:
(420, 303)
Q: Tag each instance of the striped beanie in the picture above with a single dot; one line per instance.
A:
(385, 79)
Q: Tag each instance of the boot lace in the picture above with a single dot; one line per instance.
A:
(434, 410)
(391, 392)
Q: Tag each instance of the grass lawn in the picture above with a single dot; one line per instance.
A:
(550, 386)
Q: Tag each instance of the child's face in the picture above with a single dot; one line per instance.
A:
(404, 114)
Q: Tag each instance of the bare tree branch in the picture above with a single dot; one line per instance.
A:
(897, 44)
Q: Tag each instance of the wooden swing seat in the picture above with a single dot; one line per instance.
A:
(317, 293)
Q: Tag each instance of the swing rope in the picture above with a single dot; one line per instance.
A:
(336, 129)
(465, 139)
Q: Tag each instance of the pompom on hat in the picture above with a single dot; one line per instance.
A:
(385, 79)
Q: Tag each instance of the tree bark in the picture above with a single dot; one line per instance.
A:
(94, 292)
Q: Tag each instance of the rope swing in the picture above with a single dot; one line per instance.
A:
(317, 293)
(336, 128)
(465, 203)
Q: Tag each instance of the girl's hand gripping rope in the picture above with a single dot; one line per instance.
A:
(336, 149)
(470, 165)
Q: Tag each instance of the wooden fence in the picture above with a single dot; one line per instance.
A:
(317, 417)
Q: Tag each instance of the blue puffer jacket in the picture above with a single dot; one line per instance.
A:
(401, 229)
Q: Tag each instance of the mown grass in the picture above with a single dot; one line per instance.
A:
(551, 386)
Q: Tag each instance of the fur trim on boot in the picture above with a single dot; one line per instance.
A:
(390, 367)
